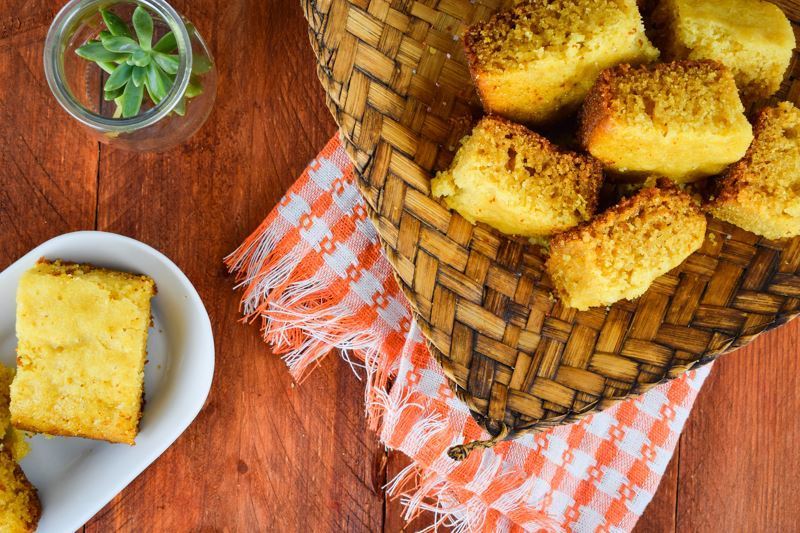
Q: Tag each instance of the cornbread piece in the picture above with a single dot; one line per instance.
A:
(753, 38)
(12, 439)
(536, 62)
(82, 335)
(761, 193)
(681, 120)
(6, 376)
(516, 181)
(19, 502)
(621, 252)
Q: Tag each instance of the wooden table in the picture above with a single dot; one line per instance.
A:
(265, 454)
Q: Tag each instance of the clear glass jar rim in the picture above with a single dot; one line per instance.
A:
(64, 24)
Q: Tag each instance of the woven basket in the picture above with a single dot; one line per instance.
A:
(397, 84)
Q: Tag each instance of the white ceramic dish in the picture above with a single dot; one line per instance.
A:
(77, 477)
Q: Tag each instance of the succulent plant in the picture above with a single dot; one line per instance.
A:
(135, 65)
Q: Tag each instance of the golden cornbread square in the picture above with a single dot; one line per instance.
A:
(761, 193)
(535, 62)
(753, 38)
(516, 181)
(621, 252)
(682, 120)
(82, 345)
(19, 502)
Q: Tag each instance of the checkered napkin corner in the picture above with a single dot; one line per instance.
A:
(314, 275)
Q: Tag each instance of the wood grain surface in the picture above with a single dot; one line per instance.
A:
(265, 454)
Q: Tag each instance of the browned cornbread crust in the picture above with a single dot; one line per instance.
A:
(619, 253)
(753, 38)
(534, 63)
(682, 120)
(761, 193)
(518, 182)
(21, 506)
(19, 502)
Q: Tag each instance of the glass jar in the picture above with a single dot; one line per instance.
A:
(78, 83)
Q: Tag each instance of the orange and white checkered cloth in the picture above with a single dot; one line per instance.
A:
(314, 273)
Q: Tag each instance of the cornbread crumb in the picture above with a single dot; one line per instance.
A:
(535, 62)
(82, 335)
(19, 502)
(620, 253)
(761, 193)
(753, 38)
(516, 181)
(682, 120)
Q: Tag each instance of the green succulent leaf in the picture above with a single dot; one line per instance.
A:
(168, 63)
(120, 44)
(95, 51)
(193, 89)
(167, 80)
(119, 77)
(138, 67)
(115, 24)
(153, 97)
(112, 95)
(108, 67)
(150, 93)
(157, 83)
(143, 24)
(180, 109)
(140, 58)
(120, 101)
(138, 76)
(166, 44)
(201, 64)
(132, 100)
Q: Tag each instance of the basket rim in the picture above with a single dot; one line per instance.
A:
(319, 29)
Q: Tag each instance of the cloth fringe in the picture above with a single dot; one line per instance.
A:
(301, 317)
(304, 321)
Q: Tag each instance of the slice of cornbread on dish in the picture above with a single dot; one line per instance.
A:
(682, 120)
(19, 502)
(751, 37)
(621, 252)
(535, 62)
(761, 193)
(516, 181)
(82, 341)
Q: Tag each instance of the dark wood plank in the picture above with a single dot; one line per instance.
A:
(739, 464)
(659, 517)
(264, 454)
(48, 169)
(394, 520)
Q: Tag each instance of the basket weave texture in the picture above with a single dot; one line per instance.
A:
(397, 84)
